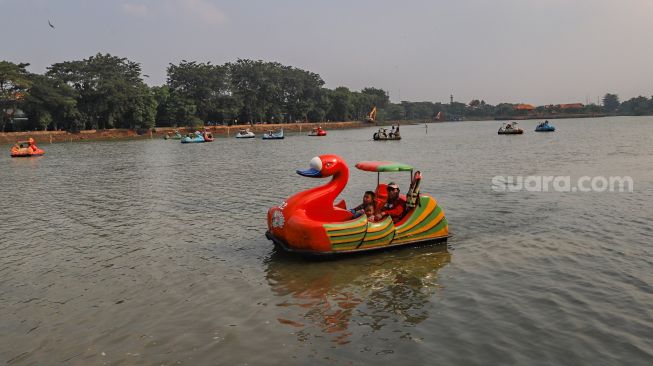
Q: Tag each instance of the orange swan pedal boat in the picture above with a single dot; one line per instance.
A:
(318, 131)
(309, 223)
(23, 149)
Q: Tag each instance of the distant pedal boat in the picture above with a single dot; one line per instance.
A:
(317, 132)
(176, 136)
(198, 137)
(245, 134)
(26, 149)
(510, 129)
(545, 127)
(273, 135)
(384, 135)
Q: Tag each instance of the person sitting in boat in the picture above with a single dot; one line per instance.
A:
(32, 144)
(508, 126)
(394, 206)
(368, 198)
(369, 212)
(384, 133)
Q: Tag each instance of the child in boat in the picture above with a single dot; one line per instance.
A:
(369, 212)
(368, 198)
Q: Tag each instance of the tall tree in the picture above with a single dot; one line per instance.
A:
(14, 81)
(181, 111)
(378, 97)
(341, 104)
(51, 103)
(207, 86)
(636, 106)
(111, 91)
(610, 103)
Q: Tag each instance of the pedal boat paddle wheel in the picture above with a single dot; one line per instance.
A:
(309, 223)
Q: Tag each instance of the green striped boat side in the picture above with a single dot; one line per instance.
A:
(438, 231)
(381, 234)
(346, 234)
(426, 222)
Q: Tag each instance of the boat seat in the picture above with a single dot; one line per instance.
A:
(381, 193)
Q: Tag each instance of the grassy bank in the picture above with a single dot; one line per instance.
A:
(160, 132)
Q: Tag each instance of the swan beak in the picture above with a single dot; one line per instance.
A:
(315, 170)
(311, 173)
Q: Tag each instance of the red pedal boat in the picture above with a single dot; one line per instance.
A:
(25, 149)
(309, 223)
(317, 132)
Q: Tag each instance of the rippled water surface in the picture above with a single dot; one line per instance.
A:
(153, 252)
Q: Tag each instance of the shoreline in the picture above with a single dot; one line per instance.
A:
(550, 116)
(159, 132)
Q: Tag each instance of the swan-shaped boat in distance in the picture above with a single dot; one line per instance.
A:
(317, 131)
(175, 136)
(197, 137)
(26, 149)
(545, 127)
(384, 135)
(310, 223)
(510, 129)
(245, 133)
(273, 135)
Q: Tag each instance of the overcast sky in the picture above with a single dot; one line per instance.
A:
(531, 51)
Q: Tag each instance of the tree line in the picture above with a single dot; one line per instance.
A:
(106, 91)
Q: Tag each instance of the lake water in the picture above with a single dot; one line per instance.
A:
(153, 252)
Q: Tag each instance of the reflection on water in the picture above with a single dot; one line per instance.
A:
(327, 296)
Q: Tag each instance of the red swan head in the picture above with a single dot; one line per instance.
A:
(318, 201)
(299, 220)
(324, 166)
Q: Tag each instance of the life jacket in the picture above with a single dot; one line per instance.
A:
(412, 197)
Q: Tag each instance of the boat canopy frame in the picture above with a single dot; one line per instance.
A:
(384, 167)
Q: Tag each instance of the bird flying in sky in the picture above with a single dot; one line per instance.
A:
(50, 24)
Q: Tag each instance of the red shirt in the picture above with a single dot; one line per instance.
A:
(395, 209)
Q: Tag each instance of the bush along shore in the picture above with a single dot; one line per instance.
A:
(160, 132)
